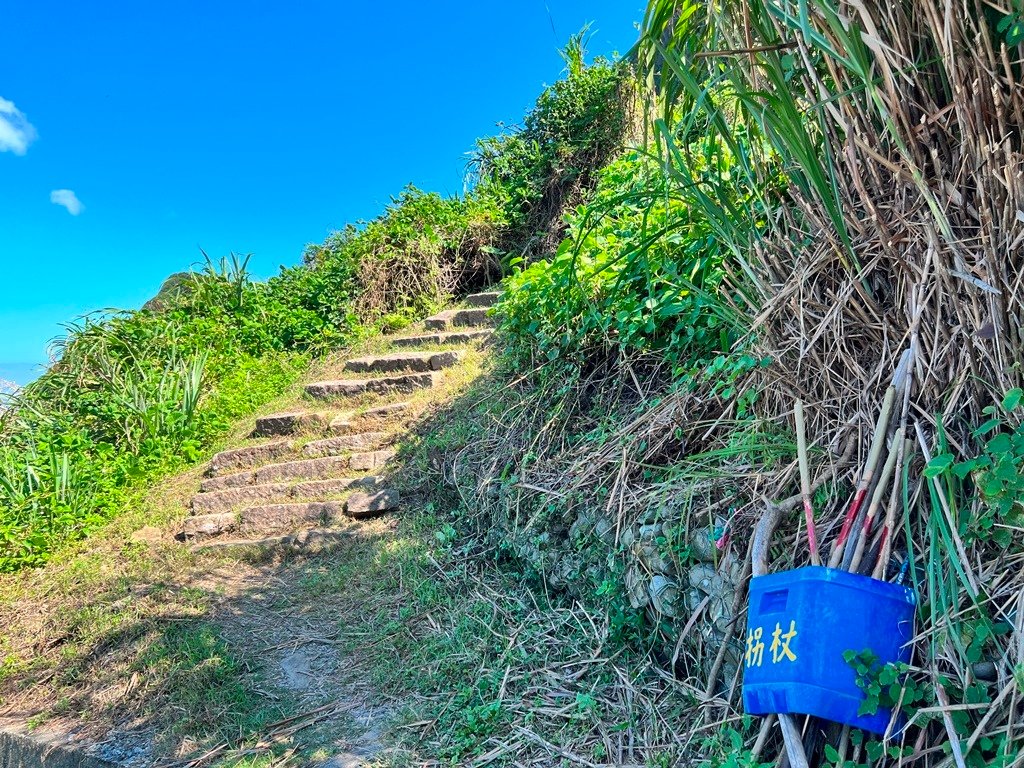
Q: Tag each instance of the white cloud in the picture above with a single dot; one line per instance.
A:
(68, 199)
(16, 132)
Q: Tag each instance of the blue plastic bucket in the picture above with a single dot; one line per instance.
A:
(799, 625)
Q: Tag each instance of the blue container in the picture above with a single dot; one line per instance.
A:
(799, 625)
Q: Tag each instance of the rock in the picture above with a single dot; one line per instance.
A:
(702, 545)
(415, 362)
(604, 529)
(458, 318)
(664, 595)
(362, 505)
(276, 516)
(485, 299)
(230, 498)
(636, 588)
(986, 671)
(209, 525)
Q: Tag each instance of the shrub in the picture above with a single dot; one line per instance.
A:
(639, 272)
(536, 172)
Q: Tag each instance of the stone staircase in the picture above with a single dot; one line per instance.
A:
(308, 476)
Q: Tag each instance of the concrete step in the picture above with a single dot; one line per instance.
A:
(402, 362)
(304, 469)
(334, 446)
(268, 517)
(277, 493)
(455, 337)
(312, 541)
(292, 423)
(404, 384)
(459, 318)
(485, 299)
(249, 456)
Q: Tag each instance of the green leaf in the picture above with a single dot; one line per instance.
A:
(1013, 398)
(938, 465)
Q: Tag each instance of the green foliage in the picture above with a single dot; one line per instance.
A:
(573, 129)
(726, 748)
(639, 272)
(997, 473)
(885, 686)
(407, 262)
(134, 396)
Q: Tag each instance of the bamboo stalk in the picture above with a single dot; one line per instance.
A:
(899, 380)
(876, 500)
(889, 525)
(874, 454)
(805, 482)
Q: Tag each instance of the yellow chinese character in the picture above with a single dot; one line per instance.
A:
(780, 643)
(755, 648)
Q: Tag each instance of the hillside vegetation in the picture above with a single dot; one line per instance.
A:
(134, 396)
(765, 203)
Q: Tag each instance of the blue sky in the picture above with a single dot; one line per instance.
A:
(132, 134)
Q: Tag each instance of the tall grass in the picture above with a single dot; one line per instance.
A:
(893, 127)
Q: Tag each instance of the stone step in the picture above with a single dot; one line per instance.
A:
(459, 318)
(276, 493)
(406, 383)
(305, 469)
(249, 456)
(291, 423)
(455, 337)
(269, 517)
(485, 299)
(334, 446)
(353, 423)
(275, 517)
(402, 362)
(312, 541)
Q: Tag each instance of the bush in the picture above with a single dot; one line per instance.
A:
(534, 173)
(420, 252)
(639, 272)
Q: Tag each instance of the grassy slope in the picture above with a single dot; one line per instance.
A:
(456, 655)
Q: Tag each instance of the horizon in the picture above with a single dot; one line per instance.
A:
(112, 179)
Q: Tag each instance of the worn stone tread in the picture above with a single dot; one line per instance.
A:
(248, 456)
(268, 493)
(459, 318)
(364, 462)
(484, 299)
(353, 423)
(399, 362)
(308, 542)
(406, 383)
(290, 423)
(442, 339)
(321, 468)
(267, 517)
(335, 446)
